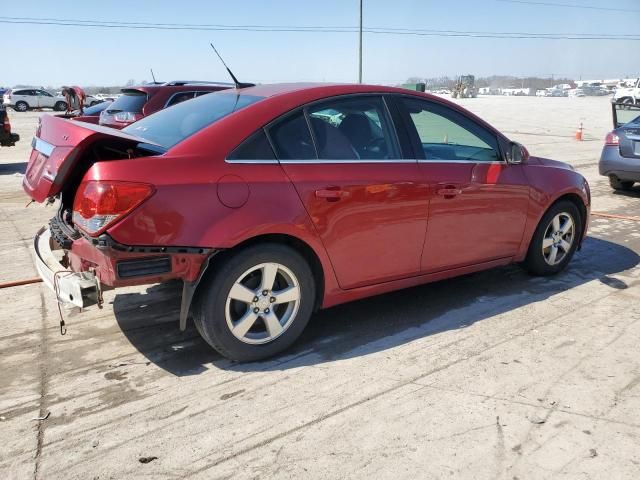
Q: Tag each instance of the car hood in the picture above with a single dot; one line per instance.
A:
(547, 162)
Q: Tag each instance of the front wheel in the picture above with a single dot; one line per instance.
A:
(256, 303)
(555, 239)
(60, 106)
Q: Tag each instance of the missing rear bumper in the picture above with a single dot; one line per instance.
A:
(75, 288)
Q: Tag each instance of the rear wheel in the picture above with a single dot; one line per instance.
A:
(21, 106)
(60, 106)
(555, 239)
(257, 303)
(618, 184)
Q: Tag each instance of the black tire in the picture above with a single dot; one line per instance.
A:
(618, 184)
(60, 106)
(21, 106)
(211, 299)
(535, 262)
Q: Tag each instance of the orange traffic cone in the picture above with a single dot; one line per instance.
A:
(579, 132)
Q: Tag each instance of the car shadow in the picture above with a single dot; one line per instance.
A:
(633, 192)
(11, 168)
(149, 320)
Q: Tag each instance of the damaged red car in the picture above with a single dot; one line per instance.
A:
(272, 201)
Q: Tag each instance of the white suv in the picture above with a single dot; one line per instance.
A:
(22, 99)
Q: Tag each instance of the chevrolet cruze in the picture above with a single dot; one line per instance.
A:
(272, 201)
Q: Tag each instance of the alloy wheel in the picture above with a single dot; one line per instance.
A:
(262, 303)
(558, 238)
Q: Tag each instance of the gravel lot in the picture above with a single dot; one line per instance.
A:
(493, 375)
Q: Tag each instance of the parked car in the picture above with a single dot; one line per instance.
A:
(7, 138)
(24, 99)
(272, 201)
(620, 158)
(628, 93)
(90, 114)
(137, 102)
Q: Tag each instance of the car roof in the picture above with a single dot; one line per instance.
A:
(320, 89)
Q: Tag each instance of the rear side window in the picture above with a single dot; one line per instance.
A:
(256, 147)
(130, 101)
(180, 97)
(292, 139)
(172, 125)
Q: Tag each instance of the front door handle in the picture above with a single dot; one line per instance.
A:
(332, 194)
(449, 191)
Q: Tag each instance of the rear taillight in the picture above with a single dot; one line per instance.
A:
(99, 204)
(611, 139)
(127, 116)
(6, 125)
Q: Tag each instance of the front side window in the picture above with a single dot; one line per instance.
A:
(352, 129)
(446, 135)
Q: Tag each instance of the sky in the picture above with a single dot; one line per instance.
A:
(52, 55)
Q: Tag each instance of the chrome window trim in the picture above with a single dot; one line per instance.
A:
(254, 161)
(43, 147)
(355, 160)
(492, 162)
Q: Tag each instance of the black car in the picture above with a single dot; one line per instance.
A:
(7, 139)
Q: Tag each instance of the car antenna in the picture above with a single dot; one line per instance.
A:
(153, 76)
(233, 77)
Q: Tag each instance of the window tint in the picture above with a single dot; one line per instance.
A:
(180, 97)
(292, 140)
(42, 93)
(199, 94)
(446, 135)
(352, 129)
(172, 125)
(23, 92)
(130, 101)
(256, 147)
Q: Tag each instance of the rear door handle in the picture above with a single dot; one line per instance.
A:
(449, 192)
(332, 194)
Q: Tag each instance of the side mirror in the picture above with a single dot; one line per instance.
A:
(517, 154)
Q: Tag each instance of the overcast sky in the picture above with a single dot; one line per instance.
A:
(55, 55)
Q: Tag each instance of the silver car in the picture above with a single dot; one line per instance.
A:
(620, 158)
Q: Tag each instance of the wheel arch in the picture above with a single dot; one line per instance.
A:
(572, 197)
(190, 289)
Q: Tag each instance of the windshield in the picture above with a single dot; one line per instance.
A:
(172, 125)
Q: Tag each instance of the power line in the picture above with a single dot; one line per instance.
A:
(568, 5)
(309, 29)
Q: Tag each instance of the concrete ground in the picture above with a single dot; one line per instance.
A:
(493, 375)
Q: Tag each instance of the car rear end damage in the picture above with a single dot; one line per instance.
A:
(76, 256)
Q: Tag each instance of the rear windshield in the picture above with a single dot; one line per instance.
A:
(130, 101)
(172, 125)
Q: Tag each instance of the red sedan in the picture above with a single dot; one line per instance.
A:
(272, 201)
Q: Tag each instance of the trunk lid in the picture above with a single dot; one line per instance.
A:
(57, 148)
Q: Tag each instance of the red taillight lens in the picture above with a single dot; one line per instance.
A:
(99, 204)
(6, 125)
(611, 139)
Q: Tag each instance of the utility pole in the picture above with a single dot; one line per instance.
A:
(360, 48)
